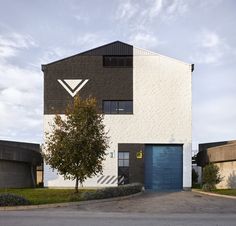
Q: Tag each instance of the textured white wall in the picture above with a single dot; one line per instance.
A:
(162, 108)
(162, 112)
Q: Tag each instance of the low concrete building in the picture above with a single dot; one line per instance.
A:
(20, 165)
(222, 154)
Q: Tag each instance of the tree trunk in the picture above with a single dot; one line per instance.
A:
(76, 185)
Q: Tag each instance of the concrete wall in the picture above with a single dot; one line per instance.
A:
(162, 114)
(222, 154)
(18, 163)
(216, 152)
(228, 172)
(15, 174)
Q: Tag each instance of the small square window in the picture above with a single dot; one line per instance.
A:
(123, 159)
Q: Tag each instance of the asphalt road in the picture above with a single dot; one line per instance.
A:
(69, 218)
(177, 209)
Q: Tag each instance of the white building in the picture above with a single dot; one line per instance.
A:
(146, 99)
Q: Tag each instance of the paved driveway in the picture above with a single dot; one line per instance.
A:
(154, 209)
(176, 202)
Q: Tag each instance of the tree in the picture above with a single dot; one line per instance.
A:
(194, 177)
(211, 176)
(76, 145)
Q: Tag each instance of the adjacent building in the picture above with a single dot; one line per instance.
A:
(222, 154)
(21, 165)
(146, 98)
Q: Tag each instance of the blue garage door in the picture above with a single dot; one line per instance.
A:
(163, 167)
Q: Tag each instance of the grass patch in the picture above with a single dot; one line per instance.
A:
(47, 195)
(231, 192)
(197, 186)
(44, 195)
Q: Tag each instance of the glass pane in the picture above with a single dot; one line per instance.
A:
(126, 155)
(121, 155)
(125, 107)
(114, 107)
(126, 163)
(106, 107)
(121, 163)
(117, 61)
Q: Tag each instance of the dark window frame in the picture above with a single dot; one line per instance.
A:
(127, 57)
(123, 159)
(118, 112)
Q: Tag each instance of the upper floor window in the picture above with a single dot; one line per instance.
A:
(117, 61)
(117, 106)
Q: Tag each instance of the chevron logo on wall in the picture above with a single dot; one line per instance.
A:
(72, 86)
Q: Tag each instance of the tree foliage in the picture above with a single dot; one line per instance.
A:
(211, 176)
(194, 177)
(76, 145)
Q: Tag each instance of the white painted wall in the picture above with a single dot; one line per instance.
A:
(162, 113)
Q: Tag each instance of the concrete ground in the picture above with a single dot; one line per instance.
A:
(158, 203)
(177, 209)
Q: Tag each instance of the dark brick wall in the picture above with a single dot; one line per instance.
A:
(114, 83)
(136, 169)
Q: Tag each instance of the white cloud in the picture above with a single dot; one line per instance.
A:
(214, 119)
(7, 51)
(11, 43)
(20, 92)
(89, 40)
(209, 39)
(141, 17)
(177, 7)
(20, 103)
(145, 40)
(155, 8)
(126, 10)
(146, 12)
(209, 48)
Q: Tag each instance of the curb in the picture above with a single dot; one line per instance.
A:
(67, 204)
(214, 194)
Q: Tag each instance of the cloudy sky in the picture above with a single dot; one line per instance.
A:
(195, 31)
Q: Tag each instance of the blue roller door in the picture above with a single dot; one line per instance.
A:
(163, 167)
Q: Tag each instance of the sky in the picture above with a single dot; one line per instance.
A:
(202, 32)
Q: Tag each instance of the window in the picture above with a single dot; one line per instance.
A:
(123, 159)
(117, 106)
(117, 61)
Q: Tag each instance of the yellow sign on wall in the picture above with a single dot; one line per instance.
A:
(139, 154)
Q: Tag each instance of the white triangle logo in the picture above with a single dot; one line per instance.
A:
(72, 86)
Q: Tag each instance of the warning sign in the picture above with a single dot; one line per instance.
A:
(139, 154)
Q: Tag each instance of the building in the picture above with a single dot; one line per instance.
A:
(222, 154)
(146, 99)
(20, 165)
